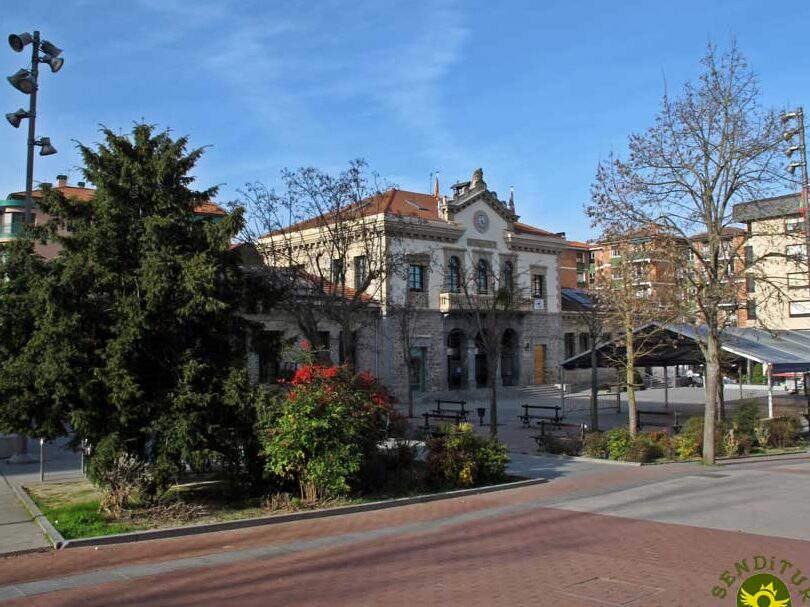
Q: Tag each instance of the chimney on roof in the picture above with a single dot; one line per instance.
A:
(61, 180)
(561, 234)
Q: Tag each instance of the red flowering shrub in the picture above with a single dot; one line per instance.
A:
(324, 428)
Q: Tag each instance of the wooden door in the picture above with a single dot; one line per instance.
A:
(540, 364)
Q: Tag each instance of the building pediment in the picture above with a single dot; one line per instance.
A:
(476, 193)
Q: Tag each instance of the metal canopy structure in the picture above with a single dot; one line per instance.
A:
(782, 351)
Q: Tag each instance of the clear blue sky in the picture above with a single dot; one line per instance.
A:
(533, 91)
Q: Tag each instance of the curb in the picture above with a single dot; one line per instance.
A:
(582, 458)
(261, 521)
(54, 537)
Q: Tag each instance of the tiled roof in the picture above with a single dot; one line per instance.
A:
(575, 244)
(767, 208)
(522, 228)
(404, 203)
(727, 232)
(209, 209)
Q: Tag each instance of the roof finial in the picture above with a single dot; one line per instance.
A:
(436, 187)
(512, 199)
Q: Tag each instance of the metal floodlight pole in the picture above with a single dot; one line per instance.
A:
(32, 119)
(804, 194)
(801, 148)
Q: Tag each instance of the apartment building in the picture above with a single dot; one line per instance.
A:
(12, 212)
(775, 256)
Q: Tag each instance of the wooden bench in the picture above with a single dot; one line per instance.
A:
(458, 403)
(559, 431)
(446, 417)
(657, 420)
(527, 417)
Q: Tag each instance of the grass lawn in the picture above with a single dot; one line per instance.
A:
(73, 506)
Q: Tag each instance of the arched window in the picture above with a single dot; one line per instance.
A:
(507, 276)
(482, 277)
(454, 275)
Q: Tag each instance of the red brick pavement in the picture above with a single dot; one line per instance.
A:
(538, 556)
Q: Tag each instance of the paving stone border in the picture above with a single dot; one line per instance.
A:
(169, 532)
(54, 537)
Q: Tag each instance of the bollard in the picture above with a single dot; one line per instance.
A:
(42, 460)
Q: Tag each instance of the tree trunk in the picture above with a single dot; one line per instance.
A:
(410, 398)
(630, 372)
(721, 398)
(712, 375)
(594, 390)
(493, 408)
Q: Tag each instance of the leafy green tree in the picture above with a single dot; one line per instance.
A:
(134, 329)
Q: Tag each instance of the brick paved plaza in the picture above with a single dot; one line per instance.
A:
(550, 544)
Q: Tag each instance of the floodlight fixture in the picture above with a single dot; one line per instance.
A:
(23, 81)
(19, 41)
(56, 63)
(50, 48)
(15, 118)
(788, 135)
(45, 144)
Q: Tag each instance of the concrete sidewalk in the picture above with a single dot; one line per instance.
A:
(18, 531)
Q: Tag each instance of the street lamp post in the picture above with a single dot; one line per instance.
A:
(27, 82)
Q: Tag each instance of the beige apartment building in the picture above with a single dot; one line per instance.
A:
(776, 284)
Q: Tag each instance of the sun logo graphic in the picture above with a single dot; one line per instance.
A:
(763, 590)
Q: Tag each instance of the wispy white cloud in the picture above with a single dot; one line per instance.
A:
(285, 68)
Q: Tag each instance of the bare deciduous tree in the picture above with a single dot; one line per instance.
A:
(708, 149)
(405, 308)
(324, 241)
(489, 298)
(637, 288)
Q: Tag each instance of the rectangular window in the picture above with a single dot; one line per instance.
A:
(16, 222)
(797, 280)
(417, 369)
(416, 278)
(539, 286)
(799, 309)
(796, 251)
(338, 271)
(794, 225)
(360, 272)
(584, 342)
(749, 256)
(570, 345)
(749, 283)
(614, 251)
(751, 308)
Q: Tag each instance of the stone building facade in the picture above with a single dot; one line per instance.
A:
(455, 252)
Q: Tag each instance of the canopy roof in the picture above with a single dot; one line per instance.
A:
(671, 344)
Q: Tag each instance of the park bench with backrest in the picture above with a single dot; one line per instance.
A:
(458, 407)
(527, 417)
(658, 419)
(559, 431)
(434, 421)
